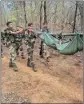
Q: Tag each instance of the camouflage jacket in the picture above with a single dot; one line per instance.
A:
(30, 39)
(2, 36)
(10, 37)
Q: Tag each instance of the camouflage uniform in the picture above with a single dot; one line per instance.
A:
(30, 40)
(1, 50)
(3, 37)
(19, 44)
(2, 43)
(12, 47)
(44, 50)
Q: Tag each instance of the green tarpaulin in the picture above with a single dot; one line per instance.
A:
(68, 47)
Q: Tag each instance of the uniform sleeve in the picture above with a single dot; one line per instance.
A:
(7, 31)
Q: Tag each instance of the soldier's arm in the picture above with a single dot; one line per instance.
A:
(17, 32)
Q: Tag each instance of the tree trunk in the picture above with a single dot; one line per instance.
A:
(41, 15)
(45, 21)
(45, 15)
(17, 16)
(62, 21)
(55, 17)
(31, 11)
(0, 31)
(25, 17)
(0, 16)
(80, 6)
(74, 25)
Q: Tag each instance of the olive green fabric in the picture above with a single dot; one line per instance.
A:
(49, 39)
(68, 47)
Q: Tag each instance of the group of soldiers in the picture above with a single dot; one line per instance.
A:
(14, 41)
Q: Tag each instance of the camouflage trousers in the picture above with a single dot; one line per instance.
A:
(1, 50)
(45, 50)
(30, 55)
(12, 49)
(19, 46)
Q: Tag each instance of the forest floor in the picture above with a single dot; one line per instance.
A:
(58, 81)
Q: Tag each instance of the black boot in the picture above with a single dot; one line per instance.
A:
(28, 63)
(2, 55)
(17, 53)
(33, 67)
(13, 65)
(15, 68)
(10, 64)
(22, 56)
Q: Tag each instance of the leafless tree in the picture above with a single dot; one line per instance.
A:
(24, 6)
(41, 15)
(75, 17)
(45, 15)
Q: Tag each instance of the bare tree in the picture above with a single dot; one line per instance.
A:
(17, 13)
(74, 25)
(3, 16)
(0, 16)
(59, 13)
(45, 15)
(80, 6)
(25, 17)
(41, 15)
(62, 25)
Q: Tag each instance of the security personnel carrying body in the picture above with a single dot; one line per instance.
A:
(44, 49)
(30, 41)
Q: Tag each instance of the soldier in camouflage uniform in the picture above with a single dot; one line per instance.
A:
(30, 40)
(19, 42)
(3, 37)
(44, 49)
(10, 32)
(11, 45)
(2, 43)
(1, 50)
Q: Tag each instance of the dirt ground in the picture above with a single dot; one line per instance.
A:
(58, 81)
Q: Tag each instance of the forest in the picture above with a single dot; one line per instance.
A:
(63, 15)
(60, 80)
